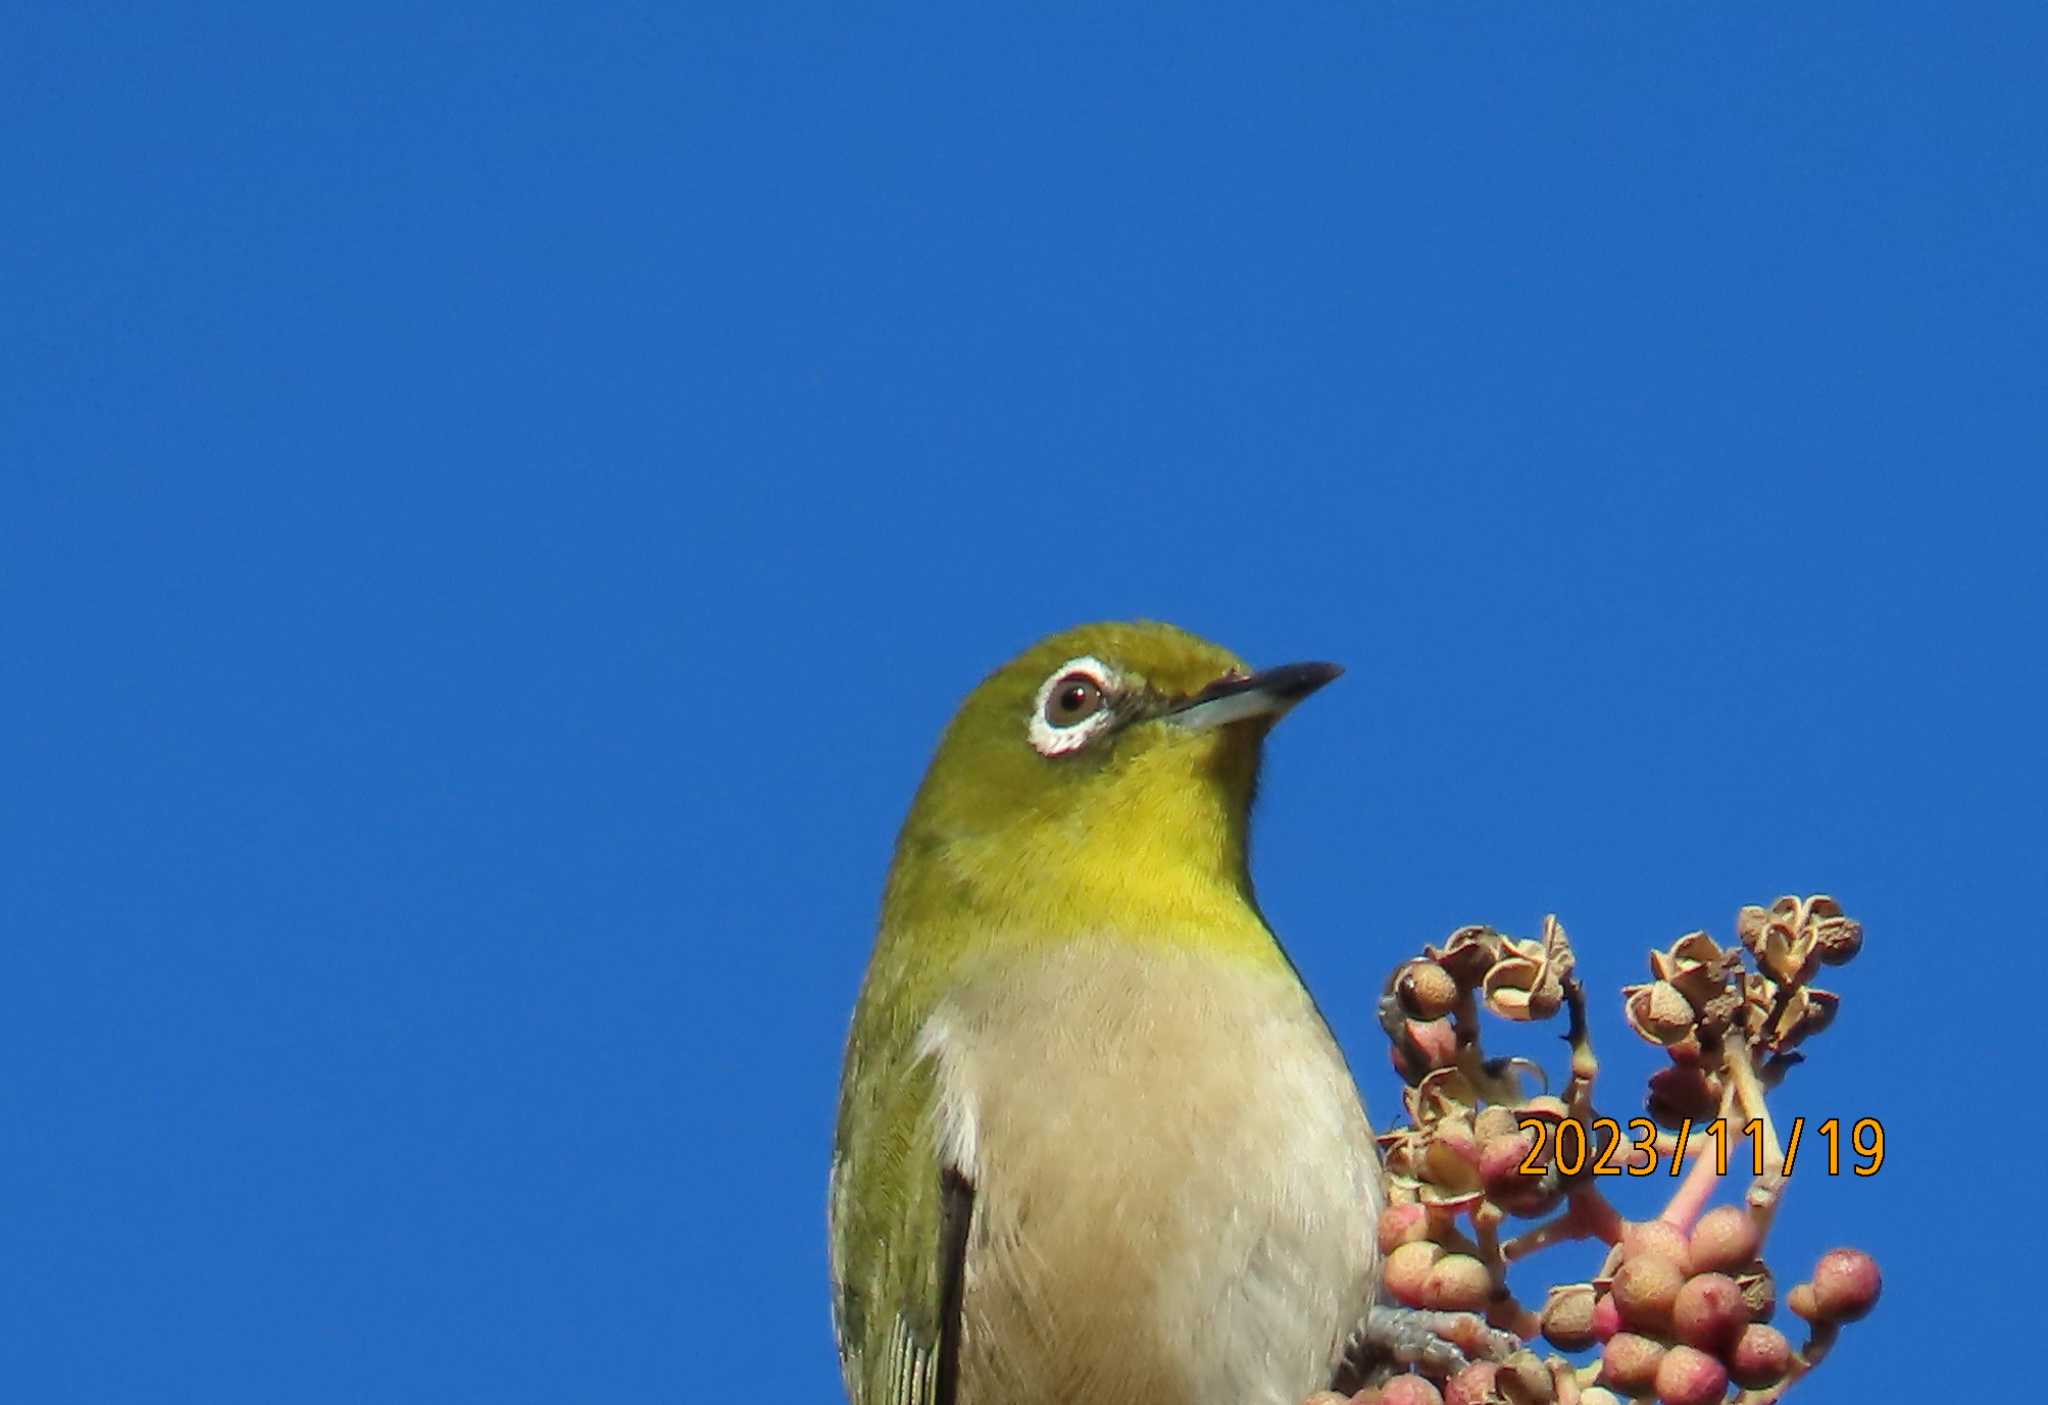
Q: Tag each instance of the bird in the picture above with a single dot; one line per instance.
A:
(1096, 1144)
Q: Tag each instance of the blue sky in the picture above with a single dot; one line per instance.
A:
(497, 503)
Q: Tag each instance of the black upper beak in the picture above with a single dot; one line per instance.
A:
(1260, 694)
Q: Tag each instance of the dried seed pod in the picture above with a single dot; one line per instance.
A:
(1658, 1012)
(1567, 1316)
(1697, 965)
(1838, 940)
(1450, 1162)
(1445, 1092)
(1509, 986)
(1759, 1290)
(1495, 1120)
(1426, 990)
(1525, 1380)
(1466, 954)
(1788, 955)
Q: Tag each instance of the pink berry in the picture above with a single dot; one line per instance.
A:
(1457, 1283)
(1688, 1376)
(1629, 1362)
(1709, 1312)
(1501, 1160)
(1606, 1317)
(1680, 1094)
(1846, 1284)
(1472, 1385)
(1402, 1224)
(1641, 1238)
(1725, 1239)
(1410, 1390)
(1407, 1269)
(1645, 1290)
(1803, 1303)
(1761, 1357)
(1435, 1040)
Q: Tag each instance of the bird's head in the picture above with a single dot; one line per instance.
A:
(1104, 776)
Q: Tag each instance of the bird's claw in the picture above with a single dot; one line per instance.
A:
(1437, 1341)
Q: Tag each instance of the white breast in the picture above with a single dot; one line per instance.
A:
(1175, 1185)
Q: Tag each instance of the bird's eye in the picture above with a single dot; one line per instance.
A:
(1073, 699)
(1073, 706)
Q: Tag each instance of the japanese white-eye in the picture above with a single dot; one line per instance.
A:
(1096, 1145)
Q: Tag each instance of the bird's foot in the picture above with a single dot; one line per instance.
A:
(1438, 1341)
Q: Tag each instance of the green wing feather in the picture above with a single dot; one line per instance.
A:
(899, 1222)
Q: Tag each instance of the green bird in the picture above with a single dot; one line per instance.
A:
(1096, 1144)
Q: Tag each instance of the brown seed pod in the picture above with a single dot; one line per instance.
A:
(1658, 1013)
(1426, 990)
(1759, 1289)
(1567, 1316)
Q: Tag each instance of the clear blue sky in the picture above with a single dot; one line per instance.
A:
(497, 502)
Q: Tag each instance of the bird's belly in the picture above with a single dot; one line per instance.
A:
(1175, 1186)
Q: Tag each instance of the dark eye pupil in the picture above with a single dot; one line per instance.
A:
(1074, 700)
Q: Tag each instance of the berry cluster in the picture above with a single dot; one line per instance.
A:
(1680, 1310)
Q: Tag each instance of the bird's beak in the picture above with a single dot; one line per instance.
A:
(1267, 693)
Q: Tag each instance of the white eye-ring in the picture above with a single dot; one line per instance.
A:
(1073, 706)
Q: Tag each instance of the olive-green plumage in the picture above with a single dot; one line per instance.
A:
(1095, 1143)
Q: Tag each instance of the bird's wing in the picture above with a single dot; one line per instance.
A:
(900, 1217)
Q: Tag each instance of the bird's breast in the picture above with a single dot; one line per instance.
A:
(1175, 1184)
